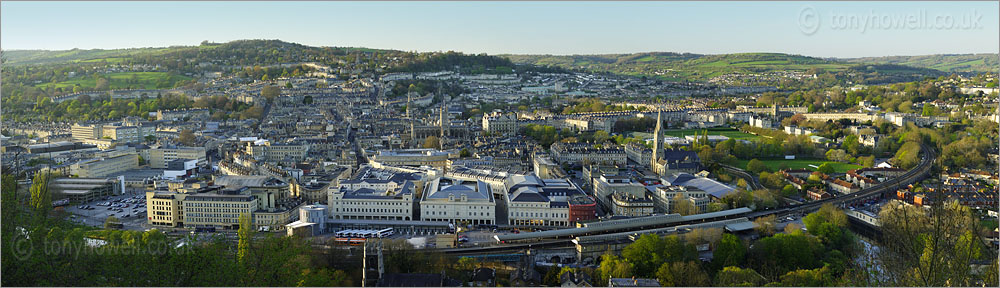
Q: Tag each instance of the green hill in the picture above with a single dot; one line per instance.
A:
(683, 66)
(943, 62)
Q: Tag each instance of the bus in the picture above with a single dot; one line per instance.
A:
(384, 233)
(351, 241)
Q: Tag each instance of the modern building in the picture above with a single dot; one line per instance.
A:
(665, 197)
(82, 132)
(82, 190)
(532, 201)
(103, 167)
(218, 208)
(608, 185)
(159, 157)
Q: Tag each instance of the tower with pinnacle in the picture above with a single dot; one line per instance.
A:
(657, 139)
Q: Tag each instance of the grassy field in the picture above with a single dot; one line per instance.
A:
(138, 80)
(773, 164)
(728, 132)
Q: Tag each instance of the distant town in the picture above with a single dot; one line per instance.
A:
(278, 164)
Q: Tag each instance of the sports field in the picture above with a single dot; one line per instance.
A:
(774, 164)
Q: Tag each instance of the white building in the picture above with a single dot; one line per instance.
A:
(375, 194)
(500, 123)
(457, 201)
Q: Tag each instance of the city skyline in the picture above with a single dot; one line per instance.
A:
(557, 28)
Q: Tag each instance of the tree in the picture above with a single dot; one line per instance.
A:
(866, 161)
(308, 100)
(432, 142)
(601, 136)
(41, 199)
(776, 255)
(464, 153)
(907, 156)
(682, 274)
(742, 184)
(789, 190)
(270, 92)
(738, 277)
(852, 144)
(186, 137)
(10, 205)
(825, 168)
(110, 222)
(613, 267)
(838, 155)
(729, 251)
(102, 84)
(245, 234)
(756, 166)
(682, 206)
(254, 112)
(650, 251)
(324, 278)
(551, 278)
(807, 278)
(765, 225)
(829, 224)
(931, 247)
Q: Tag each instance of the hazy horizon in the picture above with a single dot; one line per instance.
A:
(815, 29)
(500, 54)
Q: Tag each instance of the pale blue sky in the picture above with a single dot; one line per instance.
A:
(509, 27)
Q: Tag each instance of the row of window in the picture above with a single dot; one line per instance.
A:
(458, 213)
(365, 210)
(218, 210)
(540, 214)
(219, 205)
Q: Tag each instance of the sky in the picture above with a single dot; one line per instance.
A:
(820, 29)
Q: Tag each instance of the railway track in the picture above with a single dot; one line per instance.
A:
(753, 181)
(928, 156)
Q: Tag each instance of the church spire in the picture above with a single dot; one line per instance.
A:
(657, 138)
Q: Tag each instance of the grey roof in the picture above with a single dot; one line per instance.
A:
(232, 181)
(740, 226)
(478, 191)
(712, 187)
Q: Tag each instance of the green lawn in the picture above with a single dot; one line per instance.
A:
(139, 80)
(773, 164)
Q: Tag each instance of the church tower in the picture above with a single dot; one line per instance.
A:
(657, 139)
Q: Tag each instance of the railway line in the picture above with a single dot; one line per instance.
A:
(751, 180)
(563, 238)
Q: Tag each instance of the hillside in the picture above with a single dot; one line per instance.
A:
(28, 57)
(683, 67)
(944, 62)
